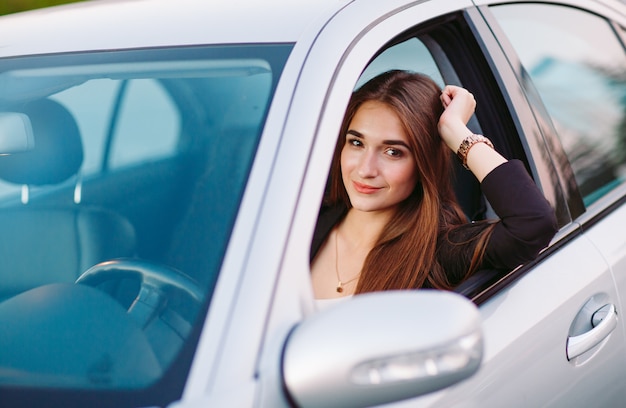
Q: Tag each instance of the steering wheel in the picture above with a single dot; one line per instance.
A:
(156, 280)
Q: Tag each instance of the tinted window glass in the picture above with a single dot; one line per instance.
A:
(126, 193)
(92, 105)
(135, 139)
(578, 66)
(113, 118)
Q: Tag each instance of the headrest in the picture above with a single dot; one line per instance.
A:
(58, 151)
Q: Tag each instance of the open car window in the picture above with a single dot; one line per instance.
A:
(448, 54)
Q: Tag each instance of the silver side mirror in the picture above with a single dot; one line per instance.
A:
(16, 133)
(383, 347)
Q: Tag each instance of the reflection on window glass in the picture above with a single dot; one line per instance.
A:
(91, 104)
(579, 68)
(137, 115)
(148, 124)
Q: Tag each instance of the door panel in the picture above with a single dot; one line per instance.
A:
(608, 236)
(526, 329)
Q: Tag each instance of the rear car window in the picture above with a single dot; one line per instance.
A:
(579, 75)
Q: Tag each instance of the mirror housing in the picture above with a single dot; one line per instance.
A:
(383, 347)
(16, 133)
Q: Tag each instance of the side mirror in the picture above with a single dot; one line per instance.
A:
(383, 347)
(16, 133)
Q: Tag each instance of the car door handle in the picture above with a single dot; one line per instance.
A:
(604, 321)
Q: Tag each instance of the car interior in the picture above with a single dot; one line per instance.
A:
(120, 205)
(67, 239)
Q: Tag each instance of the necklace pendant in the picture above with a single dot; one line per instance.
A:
(339, 288)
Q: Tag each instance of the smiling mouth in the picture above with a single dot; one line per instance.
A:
(364, 188)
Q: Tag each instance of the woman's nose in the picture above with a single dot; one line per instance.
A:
(368, 166)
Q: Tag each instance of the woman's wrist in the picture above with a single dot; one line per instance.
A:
(479, 158)
(467, 144)
(453, 134)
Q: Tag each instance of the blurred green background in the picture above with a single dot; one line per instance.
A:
(13, 6)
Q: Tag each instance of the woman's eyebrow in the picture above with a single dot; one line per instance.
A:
(396, 143)
(386, 142)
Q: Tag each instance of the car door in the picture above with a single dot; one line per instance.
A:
(536, 317)
(530, 314)
(579, 74)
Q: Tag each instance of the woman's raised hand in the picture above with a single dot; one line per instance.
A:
(459, 105)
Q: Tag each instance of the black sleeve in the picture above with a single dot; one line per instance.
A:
(527, 221)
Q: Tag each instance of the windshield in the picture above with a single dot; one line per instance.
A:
(122, 171)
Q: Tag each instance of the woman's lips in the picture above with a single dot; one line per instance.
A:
(364, 188)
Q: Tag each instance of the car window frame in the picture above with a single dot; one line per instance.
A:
(478, 71)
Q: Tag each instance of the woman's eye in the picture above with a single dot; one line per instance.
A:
(393, 152)
(355, 142)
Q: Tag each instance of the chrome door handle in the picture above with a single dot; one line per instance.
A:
(604, 321)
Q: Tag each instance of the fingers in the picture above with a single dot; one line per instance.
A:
(445, 97)
(451, 91)
(458, 103)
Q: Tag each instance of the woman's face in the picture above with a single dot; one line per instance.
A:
(377, 165)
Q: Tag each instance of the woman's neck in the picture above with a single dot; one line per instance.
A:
(362, 228)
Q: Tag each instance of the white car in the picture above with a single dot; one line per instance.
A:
(163, 164)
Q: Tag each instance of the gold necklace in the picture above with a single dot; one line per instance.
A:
(340, 284)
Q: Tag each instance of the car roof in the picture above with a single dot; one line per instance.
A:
(126, 24)
(123, 24)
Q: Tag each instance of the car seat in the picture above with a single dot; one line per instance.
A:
(42, 243)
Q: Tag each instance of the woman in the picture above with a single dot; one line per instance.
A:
(392, 221)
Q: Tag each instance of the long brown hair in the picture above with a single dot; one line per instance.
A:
(410, 247)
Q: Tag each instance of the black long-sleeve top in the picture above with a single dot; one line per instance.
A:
(525, 226)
